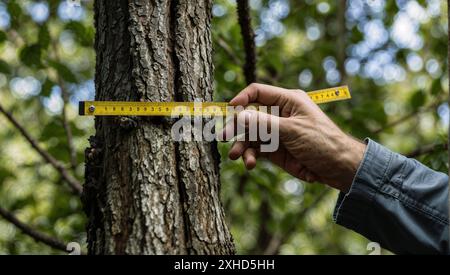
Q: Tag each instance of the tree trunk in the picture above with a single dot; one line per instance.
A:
(145, 193)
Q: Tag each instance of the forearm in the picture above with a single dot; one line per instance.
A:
(397, 202)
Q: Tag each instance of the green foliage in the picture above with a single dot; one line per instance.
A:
(31, 56)
(5, 174)
(15, 11)
(47, 87)
(267, 210)
(84, 35)
(44, 37)
(294, 216)
(29, 187)
(418, 99)
(3, 37)
(436, 87)
(4, 67)
(64, 71)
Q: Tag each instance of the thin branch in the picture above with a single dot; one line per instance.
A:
(264, 237)
(228, 50)
(248, 35)
(33, 233)
(342, 5)
(407, 117)
(73, 183)
(66, 125)
(427, 149)
(67, 128)
(65, 97)
(279, 239)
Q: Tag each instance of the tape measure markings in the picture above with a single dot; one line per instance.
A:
(126, 108)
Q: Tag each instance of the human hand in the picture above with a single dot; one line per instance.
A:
(312, 148)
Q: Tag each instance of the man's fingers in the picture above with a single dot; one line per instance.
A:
(264, 94)
(244, 150)
(237, 150)
(250, 156)
(229, 130)
(254, 124)
(253, 121)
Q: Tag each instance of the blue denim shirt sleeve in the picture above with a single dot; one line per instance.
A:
(397, 202)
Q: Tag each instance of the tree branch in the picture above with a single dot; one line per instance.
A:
(66, 125)
(73, 183)
(427, 149)
(264, 237)
(228, 50)
(67, 128)
(342, 5)
(279, 239)
(248, 35)
(407, 117)
(33, 233)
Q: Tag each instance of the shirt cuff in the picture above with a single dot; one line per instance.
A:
(352, 208)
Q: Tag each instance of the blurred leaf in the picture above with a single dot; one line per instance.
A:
(76, 131)
(54, 129)
(63, 71)
(47, 87)
(3, 37)
(63, 211)
(44, 37)
(436, 87)
(83, 35)
(22, 203)
(4, 67)
(369, 110)
(5, 174)
(14, 9)
(288, 221)
(418, 99)
(31, 56)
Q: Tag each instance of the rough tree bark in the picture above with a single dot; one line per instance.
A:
(144, 193)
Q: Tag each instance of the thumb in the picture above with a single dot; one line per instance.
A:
(250, 119)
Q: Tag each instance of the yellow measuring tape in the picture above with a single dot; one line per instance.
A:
(126, 108)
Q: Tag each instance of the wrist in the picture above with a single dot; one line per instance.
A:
(352, 157)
